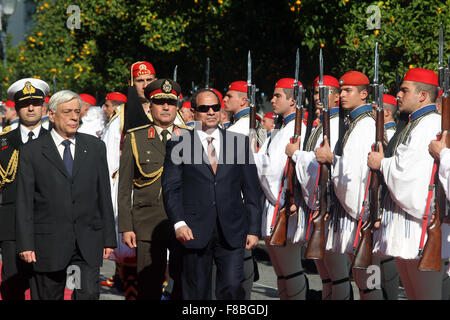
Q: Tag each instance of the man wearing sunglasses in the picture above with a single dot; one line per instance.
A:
(207, 173)
(142, 219)
(28, 95)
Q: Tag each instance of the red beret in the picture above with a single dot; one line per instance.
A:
(286, 83)
(116, 96)
(268, 115)
(141, 68)
(47, 99)
(240, 86)
(354, 78)
(327, 81)
(422, 75)
(88, 99)
(387, 98)
(222, 105)
(186, 104)
(10, 104)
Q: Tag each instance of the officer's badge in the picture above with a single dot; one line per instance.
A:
(4, 143)
(28, 88)
(151, 133)
(166, 87)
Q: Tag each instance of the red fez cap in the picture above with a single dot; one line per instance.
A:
(354, 78)
(387, 98)
(141, 68)
(441, 92)
(240, 86)
(222, 105)
(258, 118)
(186, 104)
(327, 81)
(116, 96)
(47, 99)
(10, 104)
(268, 115)
(286, 83)
(88, 99)
(422, 75)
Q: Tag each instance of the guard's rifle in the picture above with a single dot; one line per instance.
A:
(251, 98)
(363, 253)
(430, 255)
(207, 73)
(316, 245)
(279, 231)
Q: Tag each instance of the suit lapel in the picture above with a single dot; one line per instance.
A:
(80, 154)
(158, 145)
(50, 151)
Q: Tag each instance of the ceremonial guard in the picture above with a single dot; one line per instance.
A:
(268, 123)
(29, 95)
(271, 161)
(349, 173)
(142, 218)
(390, 110)
(45, 121)
(407, 176)
(333, 268)
(187, 113)
(11, 117)
(235, 101)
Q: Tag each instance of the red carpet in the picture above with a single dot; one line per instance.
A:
(67, 292)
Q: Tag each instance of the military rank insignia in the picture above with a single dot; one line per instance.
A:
(151, 133)
(4, 144)
(166, 87)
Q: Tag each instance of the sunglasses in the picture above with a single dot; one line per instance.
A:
(205, 108)
(170, 102)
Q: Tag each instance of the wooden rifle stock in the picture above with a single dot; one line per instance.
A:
(363, 254)
(316, 244)
(431, 255)
(279, 232)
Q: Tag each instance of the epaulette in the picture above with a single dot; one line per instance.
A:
(5, 130)
(183, 126)
(138, 128)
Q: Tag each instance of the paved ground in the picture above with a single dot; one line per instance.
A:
(263, 289)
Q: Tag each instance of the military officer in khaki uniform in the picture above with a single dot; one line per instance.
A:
(142, 218)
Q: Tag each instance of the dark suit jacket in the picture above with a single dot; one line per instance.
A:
(8, 143)
(192, 193)
(56, 211)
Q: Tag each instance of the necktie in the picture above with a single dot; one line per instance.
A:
(164, 134)
(67, 156)
(212, 154)
(30, 136)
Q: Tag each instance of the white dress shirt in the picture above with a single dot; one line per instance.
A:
(24, 132)
(58, 142)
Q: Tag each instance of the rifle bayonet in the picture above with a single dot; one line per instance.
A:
(175, 73)
(207, 73)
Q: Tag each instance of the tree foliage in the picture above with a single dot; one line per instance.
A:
(115, 33)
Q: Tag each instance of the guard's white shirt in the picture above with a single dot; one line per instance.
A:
(270, 162)
(444, 171)
(407, 174)
(111, 137)
(306, 165)
(241, 126)
(93, 122)
(350, 172)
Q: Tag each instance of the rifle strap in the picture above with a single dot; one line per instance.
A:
(427, 210)
(277, 205)
(312, 203)
(355, 243)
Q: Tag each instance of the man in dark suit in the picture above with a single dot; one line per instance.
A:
(212, 196)
(16, 273)
(64, 209)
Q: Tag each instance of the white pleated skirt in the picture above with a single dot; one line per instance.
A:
(341, 230)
